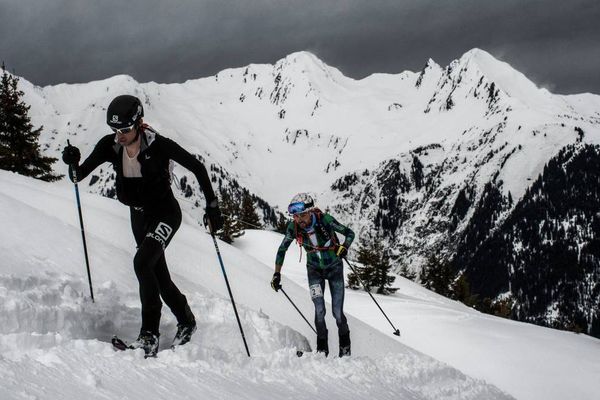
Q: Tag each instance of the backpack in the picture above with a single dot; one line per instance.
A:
(323, 228)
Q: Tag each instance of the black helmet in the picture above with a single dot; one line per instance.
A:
(124, 111)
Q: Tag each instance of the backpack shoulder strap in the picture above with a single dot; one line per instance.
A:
(324, 221)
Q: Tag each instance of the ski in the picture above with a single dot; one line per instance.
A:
(121, 345)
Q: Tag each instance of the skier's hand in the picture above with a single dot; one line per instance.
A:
(276, 281)
(212, 217)
(71, 155)
(341, 251)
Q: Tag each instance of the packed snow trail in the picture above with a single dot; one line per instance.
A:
(55, 343)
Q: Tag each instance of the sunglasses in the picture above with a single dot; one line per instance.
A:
(298, 208)
(123, 131)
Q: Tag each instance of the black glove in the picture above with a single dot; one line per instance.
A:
(212, 217)
(71, 155)
(340, 250)
(276, 281)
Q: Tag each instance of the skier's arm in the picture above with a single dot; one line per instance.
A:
(99, 155)
(188, 161)
(285, 244)
(344, 230)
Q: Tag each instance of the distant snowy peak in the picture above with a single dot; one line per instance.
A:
(295, 82)
(477, 74)
(306, 63)
(305, 78)
(503, 74)
(506, 78)
(302, 79)
(431, 71)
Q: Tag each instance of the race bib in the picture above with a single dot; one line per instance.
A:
(315, 291)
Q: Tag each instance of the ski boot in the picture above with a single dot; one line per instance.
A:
(345, 345)
(322, 346)
(184, 334)
(147, 341)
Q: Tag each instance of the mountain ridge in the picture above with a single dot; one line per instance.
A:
(406, 157)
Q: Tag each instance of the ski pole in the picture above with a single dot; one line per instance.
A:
(229, 288)
(396, 331)
(85, 252)
(299, 312)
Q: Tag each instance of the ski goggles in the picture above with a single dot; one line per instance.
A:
(298, 207)
(123, 131)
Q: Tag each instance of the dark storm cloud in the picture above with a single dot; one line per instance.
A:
(554, 42)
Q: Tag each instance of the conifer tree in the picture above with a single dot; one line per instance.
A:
(232, 227)
(248, 216)
(368, 258)
(19, 147)
(461, 291)
(282, 224)
(382, 279)
(437, 275)
(354, 279)
(406, 272)
(375, 270)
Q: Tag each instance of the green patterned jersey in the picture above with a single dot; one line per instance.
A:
(321, 235)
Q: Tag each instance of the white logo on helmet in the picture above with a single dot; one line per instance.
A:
(115, 119)
(137, 113)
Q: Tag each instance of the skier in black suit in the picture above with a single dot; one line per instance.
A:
(142, 160)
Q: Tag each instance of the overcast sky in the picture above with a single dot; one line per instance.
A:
(556, 43)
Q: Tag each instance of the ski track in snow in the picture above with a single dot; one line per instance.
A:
(55, 343)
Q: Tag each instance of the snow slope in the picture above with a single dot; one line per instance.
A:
(525, 360)
(297, 125)
(54, 340)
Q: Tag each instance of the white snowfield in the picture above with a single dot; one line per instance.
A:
(54, 342)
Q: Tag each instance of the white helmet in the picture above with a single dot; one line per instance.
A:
(300, 203)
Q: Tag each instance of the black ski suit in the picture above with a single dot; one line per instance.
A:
(155, 215)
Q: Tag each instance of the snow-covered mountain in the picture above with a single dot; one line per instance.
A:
(54, 342)
(405, 157)
(304, 121)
